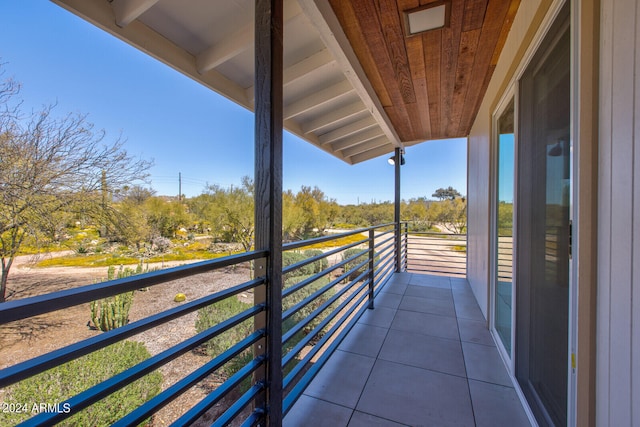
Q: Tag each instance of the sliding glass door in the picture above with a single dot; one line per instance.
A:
(543, 227)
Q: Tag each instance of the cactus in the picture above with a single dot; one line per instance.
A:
(112, 312)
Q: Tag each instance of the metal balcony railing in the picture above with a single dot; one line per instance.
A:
(437, 253)
(319, 309)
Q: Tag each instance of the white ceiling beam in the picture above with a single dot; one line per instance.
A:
(317, 99)
(236, 43)
(366, 146)
(221, 52)
(312, 64)
(322, 16)
(370, 154)
(126, 11)
(356, 139)
(336, 116)
(350, 129)
(154, 44)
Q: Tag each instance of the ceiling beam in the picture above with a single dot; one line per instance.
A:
(154, 44)
(221, 52)
(370, 154)
(334, 117)
(311, 64)
(366, 146)
(316, 99)
(356, 139)
(322, 16)
(127, 11)
(350, 129)
(236, 43)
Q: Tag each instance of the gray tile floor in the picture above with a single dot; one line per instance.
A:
(422, 357)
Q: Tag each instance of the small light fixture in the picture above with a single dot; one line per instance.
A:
(426, 18)
(392, 160)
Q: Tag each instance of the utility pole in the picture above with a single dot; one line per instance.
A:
(179, 186)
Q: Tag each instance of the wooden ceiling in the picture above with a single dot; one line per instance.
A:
(431, 84)
(355, 86)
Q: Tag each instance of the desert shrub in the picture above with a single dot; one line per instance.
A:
(60, 383)
(300, 295)
(318, 265)
(217, 313)
(352, 264)
(293, 257)
(160, 244)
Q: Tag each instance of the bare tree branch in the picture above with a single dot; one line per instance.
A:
(51, 164)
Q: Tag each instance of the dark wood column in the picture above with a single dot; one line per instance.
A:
(268, 187)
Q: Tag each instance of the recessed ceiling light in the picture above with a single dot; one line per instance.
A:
(426, 18)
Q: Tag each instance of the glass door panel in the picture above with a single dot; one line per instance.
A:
(504, 226)
(543, 227)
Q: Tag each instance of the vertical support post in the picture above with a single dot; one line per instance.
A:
(371, 266)
(396, 216)
(268, 191)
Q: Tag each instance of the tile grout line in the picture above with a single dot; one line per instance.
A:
(466, 373)
(374, 364)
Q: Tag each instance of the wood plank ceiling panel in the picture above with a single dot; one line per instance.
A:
(430, 85)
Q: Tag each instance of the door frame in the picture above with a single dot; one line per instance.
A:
(509, 94)
(512, 89)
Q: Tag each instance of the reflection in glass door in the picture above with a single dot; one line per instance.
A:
(503, 288)
(543, 227)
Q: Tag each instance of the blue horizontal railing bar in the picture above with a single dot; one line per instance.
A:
(325, 288)
(310, 260)
(296, 349)
(385, 268)
(392, 238)
(304, 243)
(292, 289)
(149, 408)
(302, 384)
(304, 322)
(385, 251)
(105, 388)
(205, 404)
(239, 405)
(254, 419)
(29, 307)
(40, 364)
(299, 367)
(384, 233)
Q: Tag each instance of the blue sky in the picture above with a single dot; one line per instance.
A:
(184, 127)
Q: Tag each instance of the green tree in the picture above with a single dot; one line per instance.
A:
(416, 212)
(505, 219)
(229, 211)
(165, 217)
(448, 193)
(50, 165)
(293, 220)
(450, 214)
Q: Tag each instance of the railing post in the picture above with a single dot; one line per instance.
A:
(371, 267)
(268, 195)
